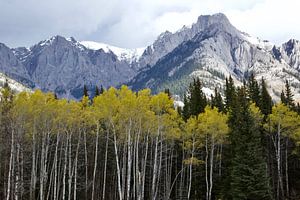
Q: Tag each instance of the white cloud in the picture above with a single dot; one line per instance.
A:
(134, 23)
(274, 20)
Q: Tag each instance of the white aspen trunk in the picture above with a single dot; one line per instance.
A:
(169, 174)
(46, 161)
(118, 164)
(45, 173)
(155, 168)
(60, 169)
(10, 166)
(124, 168)
(51, 179)
(105, 166)
(95, 161)
(143, 175)
(135, 163)
(137, 177)
(174, 181)
(279, 160)
(191, 170)
(75, 166)
(55, 167)
(22, 174)
(206, 167)
(70, 174)
(17, 182)
(33, 168)
(159, 168)
(129, 160)
(42, 168)
(211, 167)
(85, 164)
(65, 169)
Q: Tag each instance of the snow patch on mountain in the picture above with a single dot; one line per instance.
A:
(122, 53)
(263, 44)
(14, 85)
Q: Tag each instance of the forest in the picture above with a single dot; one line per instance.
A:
(124, 145)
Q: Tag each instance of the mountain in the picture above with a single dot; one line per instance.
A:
(216, 50)
(13, 67)
(64, 66)
(212, 49)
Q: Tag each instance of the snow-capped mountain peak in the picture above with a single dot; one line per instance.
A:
(122, 53)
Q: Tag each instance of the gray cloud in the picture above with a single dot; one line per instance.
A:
(136, 23)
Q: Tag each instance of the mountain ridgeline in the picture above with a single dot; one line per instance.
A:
(211, 49)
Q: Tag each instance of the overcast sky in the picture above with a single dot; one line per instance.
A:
(136, 23)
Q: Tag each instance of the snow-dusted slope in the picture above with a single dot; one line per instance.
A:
(14, 85)
(129, 55)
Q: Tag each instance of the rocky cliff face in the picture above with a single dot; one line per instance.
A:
(218, 50)
(64, 66)
(12, 67)
(211, 49)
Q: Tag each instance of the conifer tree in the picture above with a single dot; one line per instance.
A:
(97, 92)
(253, 90)
(248, 167)
(217, 101)
(197, 98)
(101, 90)
(229, 93)
(289, 95)
(186, 108)
(85, 91)
(283, 98)
(167, 91)
(266, 100)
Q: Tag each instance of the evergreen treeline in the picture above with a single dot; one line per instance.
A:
(133, 145)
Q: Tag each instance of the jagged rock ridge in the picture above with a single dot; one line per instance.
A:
(211, 49)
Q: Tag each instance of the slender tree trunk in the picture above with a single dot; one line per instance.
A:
(159, 167)
(65, 169)
(206, 167)
(211, 167)
(70, 174)
(42, 168)
(10, 166)
(143, 175)
(129, 160)
(118, 164)
(51, 179)
(22, 173)
(191, 169)
(86, 165)
(55, 167)
(33, 168)
(279, 172)
(95, 161)
(287, 169)
(75, 166)
(17, 175)
(154, 169)
(124, 168)
(105, 165)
